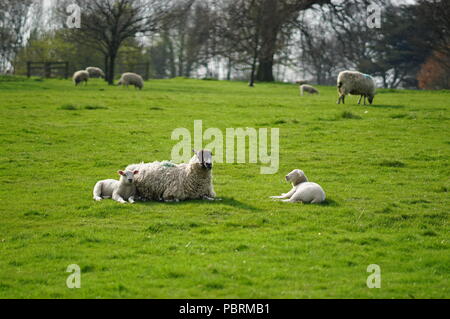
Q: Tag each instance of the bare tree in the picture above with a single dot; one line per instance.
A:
(240, 27)
(276, 14)
(106, 24)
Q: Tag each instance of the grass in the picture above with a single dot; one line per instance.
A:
(386, 176)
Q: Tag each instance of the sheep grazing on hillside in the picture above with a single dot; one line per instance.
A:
(308, 88)
(122, 190)
(171, 182)
(131, 78)
(355, 83)
(95, 72)
(302, 190)
(80, 76)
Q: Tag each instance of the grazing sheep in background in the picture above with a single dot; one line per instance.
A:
(301, 82)
(302, 190)
(95, 72)
(80, 76)
(308, 88)
(355, 83)
(171, 182)
(120, 190)
(131, 78)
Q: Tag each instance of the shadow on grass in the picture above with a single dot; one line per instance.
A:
(229, 201)
(386, 106)
(329, 202)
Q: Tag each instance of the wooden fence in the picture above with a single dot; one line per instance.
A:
(48, 69)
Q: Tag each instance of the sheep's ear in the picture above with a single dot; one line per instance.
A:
(121, 173)
(194, 151)
(135, 172)
(302, 178)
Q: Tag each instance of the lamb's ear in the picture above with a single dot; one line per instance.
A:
(301, 177)
(121, 173)
(135, 172)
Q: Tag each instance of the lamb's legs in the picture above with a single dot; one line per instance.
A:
(118, 198)
(291, 200)
(360, 97)
(364, 100)
(287, 195)
(131, 199)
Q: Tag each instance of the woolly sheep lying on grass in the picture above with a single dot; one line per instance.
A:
(95, 72)
(133, 79)
(80, 76)
(302, 190)
(170, 182)
(355, 83)
(308, 88)
(120, 190)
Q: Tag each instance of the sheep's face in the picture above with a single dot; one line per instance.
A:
(127, 176)
(297, 176)
(370, 98)
(204, 157)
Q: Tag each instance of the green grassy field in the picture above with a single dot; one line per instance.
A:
(385, 169)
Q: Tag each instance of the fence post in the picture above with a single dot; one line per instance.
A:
(147, 71)
(66, 71)
(28, 69)
(47, 71)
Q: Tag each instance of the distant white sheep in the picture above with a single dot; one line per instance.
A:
(122, 190)
(308, 88)
(302, 190)
(95, 72)
(171, 182)
(131, 78)
(355, 83)
(80, 76)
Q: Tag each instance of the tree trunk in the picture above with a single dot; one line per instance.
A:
(252, 74)
(112, 61)
(106, 66)
(265, 70)
(269, 32)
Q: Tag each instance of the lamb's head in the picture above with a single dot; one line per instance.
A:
(127, 177)
(120, 82)
(296, 177)
(202, 157)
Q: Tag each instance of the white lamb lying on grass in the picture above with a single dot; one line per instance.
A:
(302, 190)
(120, 190)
